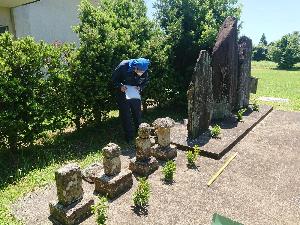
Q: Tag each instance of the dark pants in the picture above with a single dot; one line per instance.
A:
(129, 108)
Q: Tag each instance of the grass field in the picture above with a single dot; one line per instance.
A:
(277, 83)
(35, 166)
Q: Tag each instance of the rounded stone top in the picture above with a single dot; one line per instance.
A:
(71, 167)
(163, 123)
(111, 150)
(144, 130)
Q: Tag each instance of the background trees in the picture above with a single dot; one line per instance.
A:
(190, 26)
(260, 52)
(286, 51)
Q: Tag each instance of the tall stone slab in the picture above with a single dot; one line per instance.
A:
(200, 97)
(244, 80)
(225, 69)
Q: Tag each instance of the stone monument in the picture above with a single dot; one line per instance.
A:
(200, 97)
(71, 207)
(112, 181)
(164, 150)
(143, 164)
(225, 69)
(244, 79)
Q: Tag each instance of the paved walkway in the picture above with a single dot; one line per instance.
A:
(261, 186)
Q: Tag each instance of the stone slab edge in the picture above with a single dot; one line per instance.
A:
(229, 146)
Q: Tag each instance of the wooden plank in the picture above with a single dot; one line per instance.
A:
(215, 176)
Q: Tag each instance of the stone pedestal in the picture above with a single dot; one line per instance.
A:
(71, 207)
(92, 171)
(113, 182)
(71, 214)
(200, 97)
(114, 186)
(144, 167)
(164, 153)
(164, 150)
(143, 164)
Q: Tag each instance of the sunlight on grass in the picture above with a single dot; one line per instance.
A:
(277, 83)
(33, 180)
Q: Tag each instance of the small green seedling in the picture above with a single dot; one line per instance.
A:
(142, 194)
(240, 114)
(255, 107)
(169, 170)
(192, 155)
(100, 210)
(215, 131)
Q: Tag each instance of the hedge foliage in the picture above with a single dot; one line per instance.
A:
(33, 89)
(45, 87)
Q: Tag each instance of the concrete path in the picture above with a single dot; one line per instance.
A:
(261, 186)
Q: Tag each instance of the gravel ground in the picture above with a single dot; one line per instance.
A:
(260, 186)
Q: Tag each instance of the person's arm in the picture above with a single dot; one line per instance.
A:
(116, 78)
(145, 81)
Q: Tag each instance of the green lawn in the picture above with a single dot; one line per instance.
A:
(278, 83)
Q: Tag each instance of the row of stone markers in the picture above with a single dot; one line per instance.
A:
(73, 206)
(221, 83)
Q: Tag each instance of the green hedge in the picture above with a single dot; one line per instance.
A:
(33, 90)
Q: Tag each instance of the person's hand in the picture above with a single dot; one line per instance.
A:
(123, 88)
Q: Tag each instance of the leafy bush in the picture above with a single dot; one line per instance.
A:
(260, 52)
(100, 209)
(215, 131)
(169, 170)
(240, 114)
(142, 194)
(286, 51)
(33, 89)
(114, 31)
(192, 155)
(255, 106)
(191, 25)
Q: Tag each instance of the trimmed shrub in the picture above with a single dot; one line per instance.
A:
(215, 131)
(100, 209)
(142, 194)
(33, 89)
(169, 170)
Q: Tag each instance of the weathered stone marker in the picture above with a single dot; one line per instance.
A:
(143, 164)
(92, 171)
(200, 96)
(244, 80)
(225, 69)
(113, 182)
(71, 207)
(164, 150)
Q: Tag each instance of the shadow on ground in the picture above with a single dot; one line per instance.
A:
(75, 145)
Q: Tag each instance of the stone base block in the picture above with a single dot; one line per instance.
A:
(91, 172)
(71, 214)
(164, 153)
(143, 168)
(113, 186)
